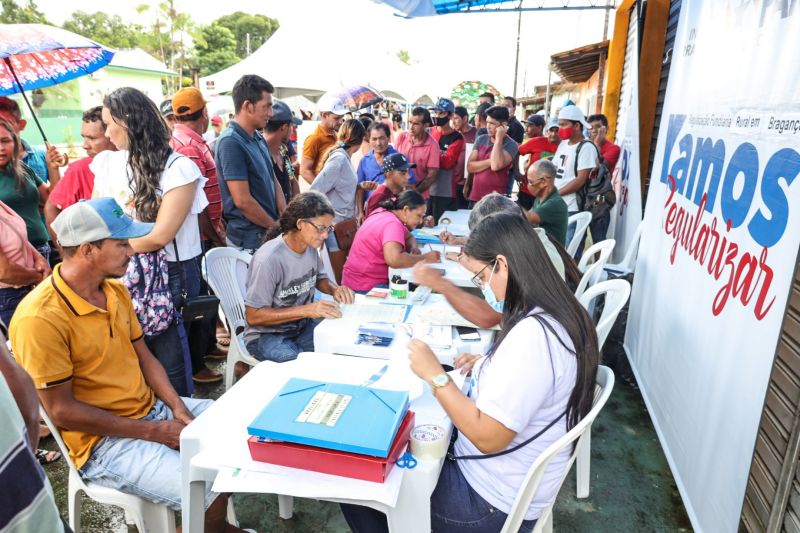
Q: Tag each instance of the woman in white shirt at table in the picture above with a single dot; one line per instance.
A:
(538, 377)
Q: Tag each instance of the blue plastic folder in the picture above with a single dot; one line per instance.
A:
(348, 418)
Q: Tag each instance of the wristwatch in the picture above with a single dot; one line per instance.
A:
(440, 381)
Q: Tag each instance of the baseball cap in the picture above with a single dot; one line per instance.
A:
(535, 120)
(571, 112)
(187, 101)
(331, 104)
(93, 220)
(216, 119)
(282, 113)
(552, 123)
(396, 161)
(443, 104)
(166, 108)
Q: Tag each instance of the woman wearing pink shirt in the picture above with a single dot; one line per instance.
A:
(381, 243)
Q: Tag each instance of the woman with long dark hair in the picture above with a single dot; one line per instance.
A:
(538, 378)
(154, 184)
(381, 242)
(285, 272)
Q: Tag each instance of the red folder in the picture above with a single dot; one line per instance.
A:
(334, 462)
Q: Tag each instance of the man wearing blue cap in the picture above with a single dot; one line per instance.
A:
(78, 337)
(451, 145)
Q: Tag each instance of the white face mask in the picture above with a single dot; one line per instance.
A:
(489, 296)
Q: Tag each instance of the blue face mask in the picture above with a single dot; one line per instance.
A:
(489, 296)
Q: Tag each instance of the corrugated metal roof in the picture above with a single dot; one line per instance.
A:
(578, 65)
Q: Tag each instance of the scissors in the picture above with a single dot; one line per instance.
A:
(407, 461)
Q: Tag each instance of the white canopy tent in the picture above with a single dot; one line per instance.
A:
(303, 71)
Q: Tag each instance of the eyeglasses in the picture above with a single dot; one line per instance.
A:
(319, 227)
(476, 279)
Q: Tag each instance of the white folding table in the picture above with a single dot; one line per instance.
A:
(217, 440)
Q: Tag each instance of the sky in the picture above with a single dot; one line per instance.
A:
(450, 48)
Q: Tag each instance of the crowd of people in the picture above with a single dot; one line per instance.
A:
(97, 266)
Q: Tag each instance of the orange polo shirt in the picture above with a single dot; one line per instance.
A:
(59, 337)
(315, 146)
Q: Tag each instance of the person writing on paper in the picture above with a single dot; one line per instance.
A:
(486, 312)
(539, 378)
(280, 309)
(382, 243)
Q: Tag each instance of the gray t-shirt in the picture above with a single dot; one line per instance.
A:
(279, 277)
(337, 180)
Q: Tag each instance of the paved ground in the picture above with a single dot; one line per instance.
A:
(632, 488)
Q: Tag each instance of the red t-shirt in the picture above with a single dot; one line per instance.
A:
(380, 194)
(538, 148)
(610, 153)
(76, 184)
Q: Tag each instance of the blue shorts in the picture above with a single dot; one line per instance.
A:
(143, 468)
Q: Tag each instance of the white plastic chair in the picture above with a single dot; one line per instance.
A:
(226, 274)
(617, 292)
(147, 516)
(591, 272)
(628, 263)
(605, 383)
(582, 221)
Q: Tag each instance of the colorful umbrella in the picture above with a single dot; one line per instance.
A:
(467, 93)
(356, 97)
(37, 55)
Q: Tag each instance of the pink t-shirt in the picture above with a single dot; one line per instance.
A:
(424, 154)
(14, 240)
(365, 266)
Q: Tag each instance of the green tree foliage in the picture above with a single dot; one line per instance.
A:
(27, 13)
(108, 30)
(215, 48)
(260, 28)
(168, 39)
(404, 56)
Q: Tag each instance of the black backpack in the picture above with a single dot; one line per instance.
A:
(597, 195)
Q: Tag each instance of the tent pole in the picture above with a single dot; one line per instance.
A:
(516, 59)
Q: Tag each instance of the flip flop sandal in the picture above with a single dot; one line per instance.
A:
(45, 457)
(224, 339)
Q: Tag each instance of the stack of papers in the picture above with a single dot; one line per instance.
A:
(435, 336)
(378, 312)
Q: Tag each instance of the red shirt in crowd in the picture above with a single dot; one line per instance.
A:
(424, 154)
(188, 142)
(76, 184)
(380, 194)
(610, 153)
(538, 148)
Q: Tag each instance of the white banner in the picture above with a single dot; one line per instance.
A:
(720, 241)
(627, 212)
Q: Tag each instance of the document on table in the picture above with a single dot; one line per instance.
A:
(446, 316)
(360, 312)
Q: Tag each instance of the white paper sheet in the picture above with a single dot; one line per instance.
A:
(363, 312)
(257, 477)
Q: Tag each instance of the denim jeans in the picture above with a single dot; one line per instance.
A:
(45, 250)
(9, 300)
(143, 468)
(599, 228)
(455, 508)
(171, 347)
(282, 347)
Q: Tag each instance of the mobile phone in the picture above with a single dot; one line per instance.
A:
(468, 334)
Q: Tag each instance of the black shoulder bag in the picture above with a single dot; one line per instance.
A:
(197, 307)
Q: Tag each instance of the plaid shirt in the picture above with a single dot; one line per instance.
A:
(189, 143)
